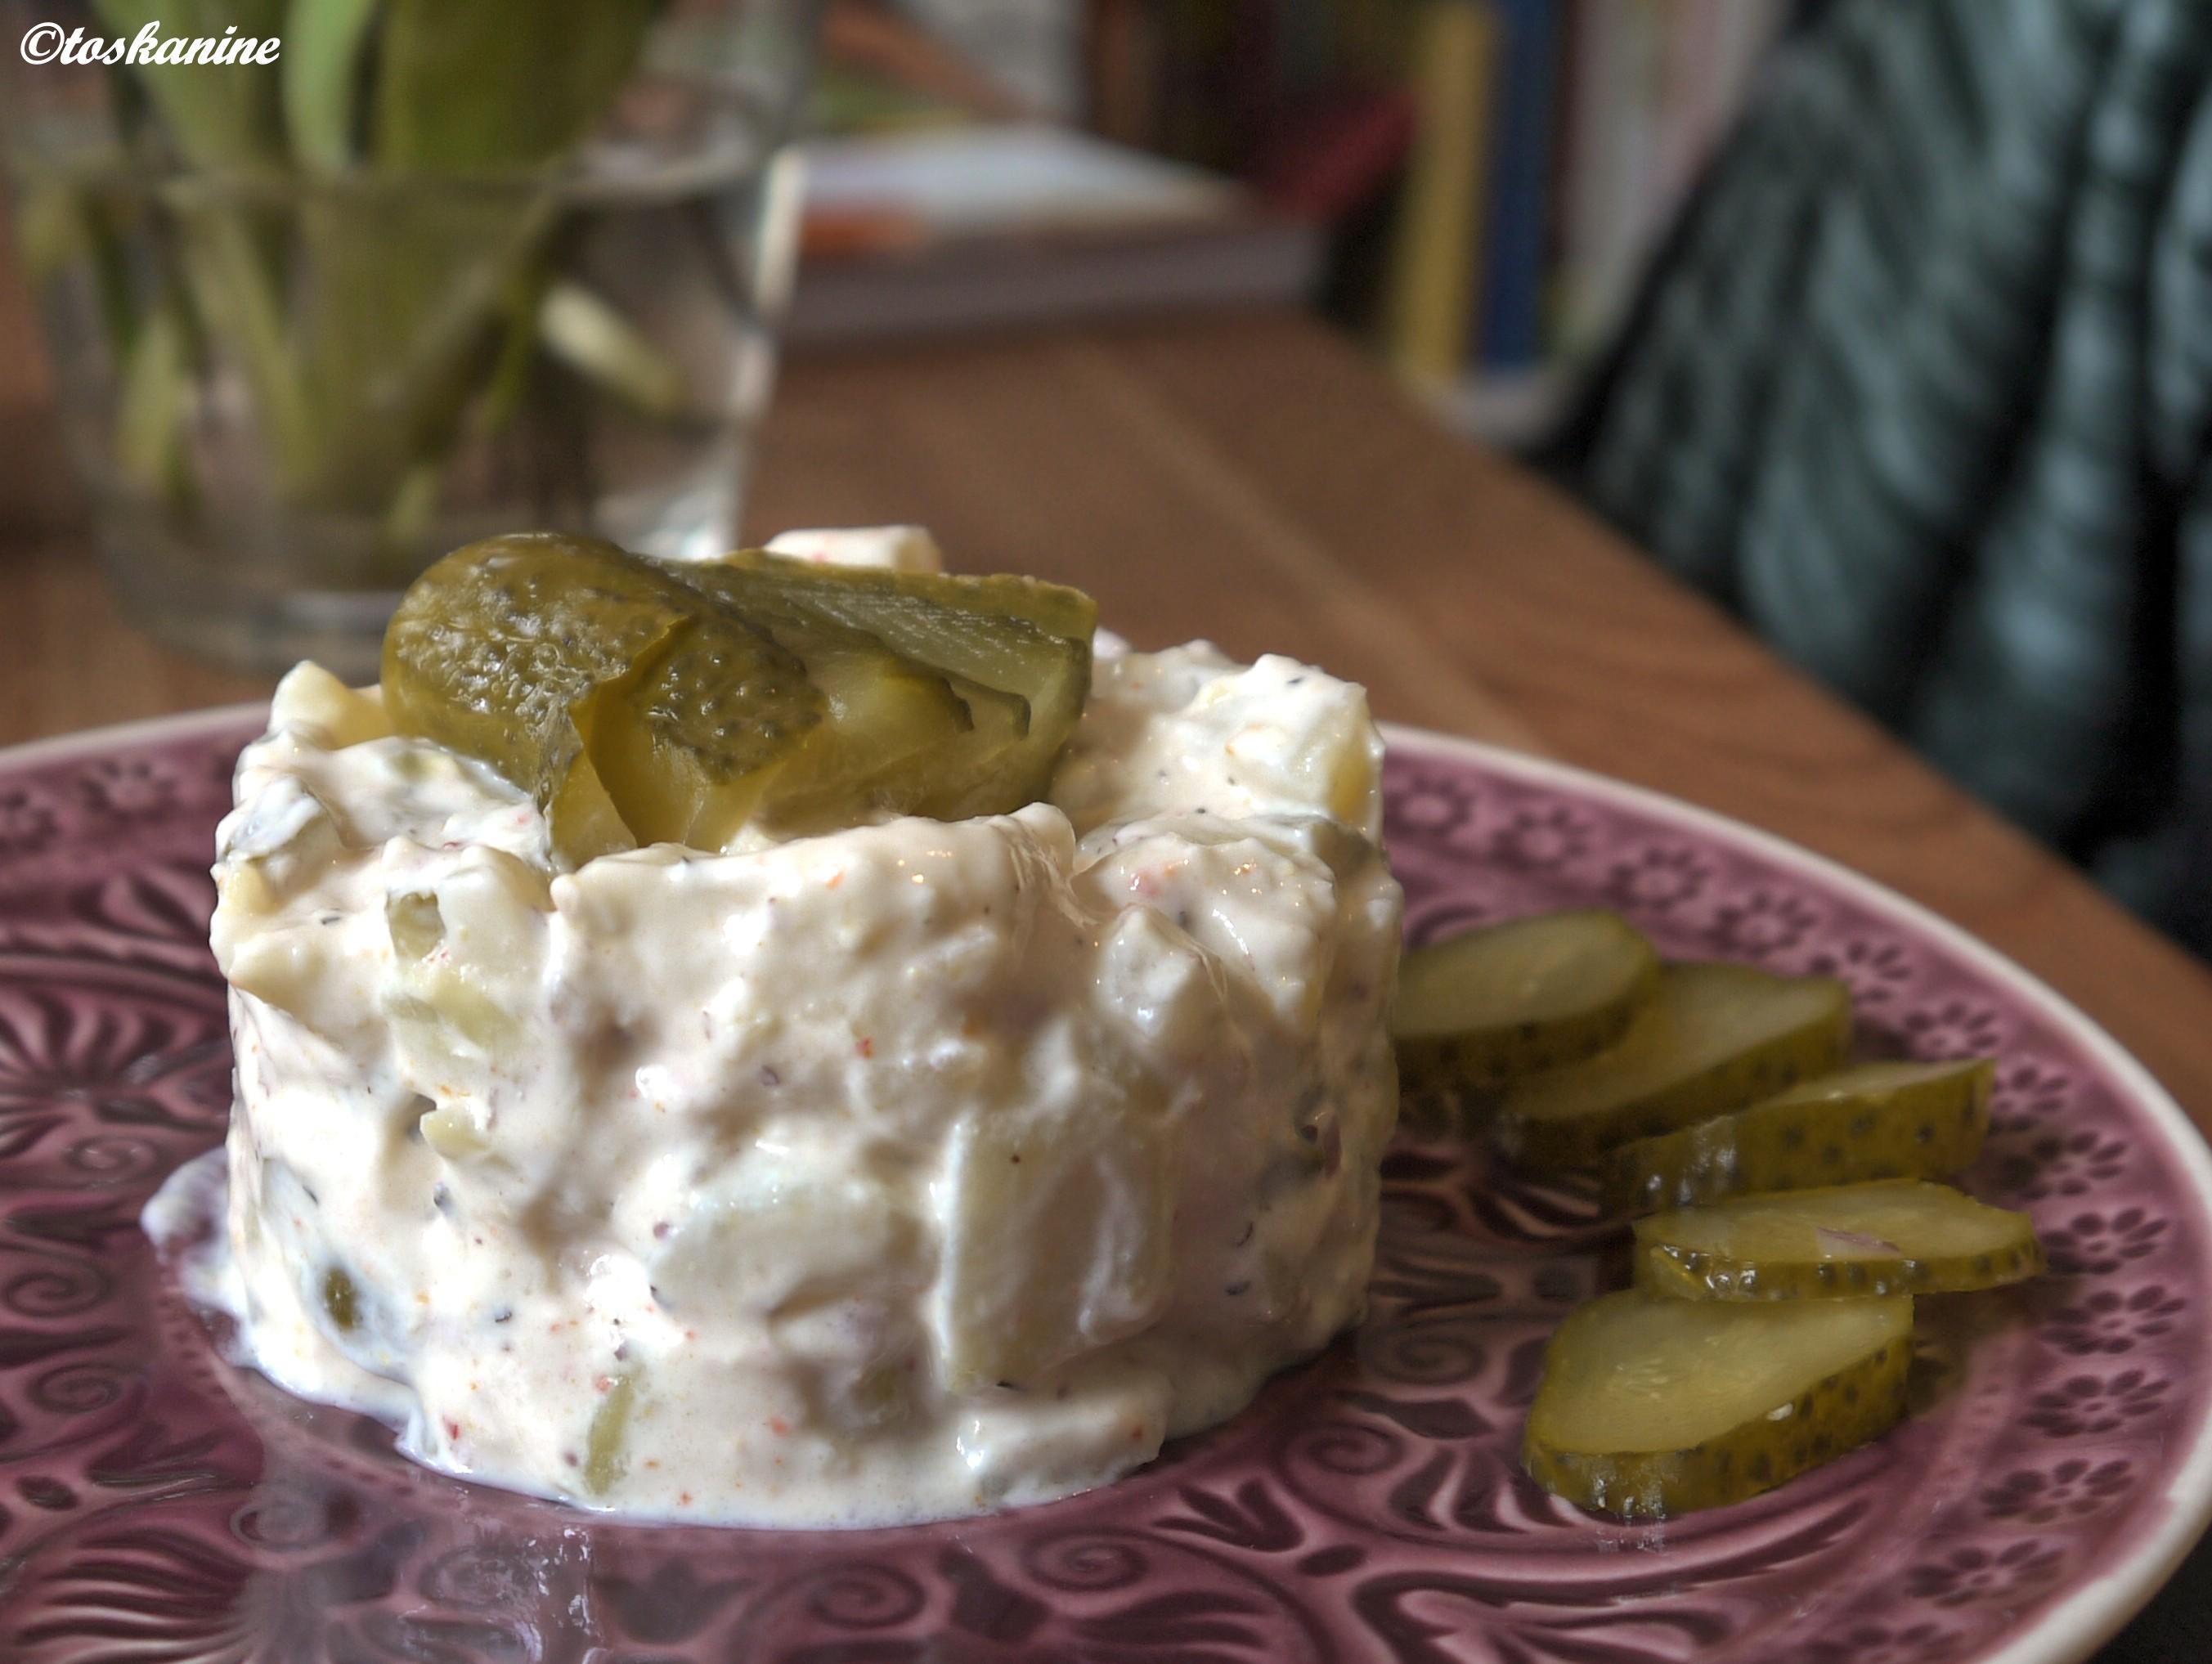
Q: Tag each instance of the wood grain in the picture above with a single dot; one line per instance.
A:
(1251, 479)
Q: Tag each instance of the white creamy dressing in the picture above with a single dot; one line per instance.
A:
(896, 1173)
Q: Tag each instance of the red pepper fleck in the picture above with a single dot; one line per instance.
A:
(453, 1431)
(865, 1047)
(778, 1426)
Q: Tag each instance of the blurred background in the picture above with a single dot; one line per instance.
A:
(1884, 326)
(1470, 187)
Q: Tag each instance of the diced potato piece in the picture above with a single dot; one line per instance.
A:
(466, 957)
(1058, 1242)
(310, 696)
(753, 1242)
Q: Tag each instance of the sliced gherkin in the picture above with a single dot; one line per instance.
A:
(1476, 1010)
(605, 1462)
(561, 661)
(1055, 608)
(1651, 1407)
(639, 702)
(341, 1301)
(1872, 1120)
(899, 728)
(1713, 1037)
(1016, 637)
(1902, 1237)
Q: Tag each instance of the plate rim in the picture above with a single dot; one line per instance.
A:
(2084, 1616)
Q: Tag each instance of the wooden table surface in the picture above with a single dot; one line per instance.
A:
(1252, 479)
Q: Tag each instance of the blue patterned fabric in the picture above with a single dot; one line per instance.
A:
(1922, 387)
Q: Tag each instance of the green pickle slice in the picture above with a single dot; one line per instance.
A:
(883, 713)
(1015, 637)
(1476, 1010)
(559, 660)
(1054, 609)
(1713, 1037)
(1874, 1120)
(1905, 1237)
(1651, 1407)
(606, 1461)
(639, 702)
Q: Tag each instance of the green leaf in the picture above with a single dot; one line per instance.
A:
(408, 288)
(495, 86)
(221, 115)
(321, 64)
(596, 342)
(510, 381)
(233, 293)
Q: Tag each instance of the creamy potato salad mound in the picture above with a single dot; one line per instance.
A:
(895, 1173)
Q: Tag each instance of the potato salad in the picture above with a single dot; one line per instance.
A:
(831, 1174)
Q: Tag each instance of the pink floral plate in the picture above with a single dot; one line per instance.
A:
(156, 1504)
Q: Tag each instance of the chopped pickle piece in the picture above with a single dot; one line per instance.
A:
(1055, 608)
(604, 1462)
(881, 1394)
(639, 702)
(1874, 1120)
(1013, 636)
(1713, 1037)
(1475, 1010)
(341, 1300)
(1651, 1407)
(434, 989)
(891, 720)
(1902, 1237)
(549, 657)
(417, 927)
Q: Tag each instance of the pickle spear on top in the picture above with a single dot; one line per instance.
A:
(640, 702)
(1019, 650)
(595, 681)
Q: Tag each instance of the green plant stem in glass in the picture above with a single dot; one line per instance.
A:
(371, 323)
